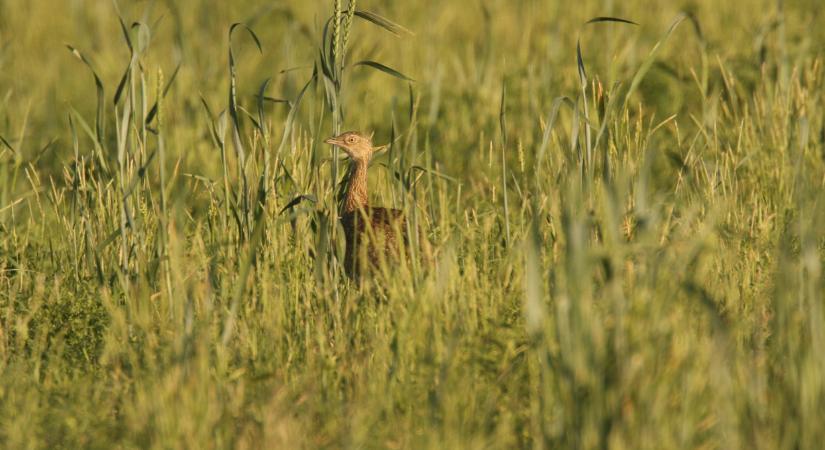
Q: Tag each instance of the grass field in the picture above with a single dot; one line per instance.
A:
(629, 239)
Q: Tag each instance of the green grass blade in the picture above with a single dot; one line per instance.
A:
(383, 68)
(99, 119)
(382, 22)
(651, 57)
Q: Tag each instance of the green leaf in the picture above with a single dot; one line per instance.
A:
(651, 57)
(382, 22)
(610, 19)
(100, 94)
(251, 33)
(383, 68)
(297, 200)
(261, 112)
(6, 143)
(579, 59)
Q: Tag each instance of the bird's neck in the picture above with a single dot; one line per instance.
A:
(356, 197)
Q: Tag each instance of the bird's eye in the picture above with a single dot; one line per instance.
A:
(350, 139)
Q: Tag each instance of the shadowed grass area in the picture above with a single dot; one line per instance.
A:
(627, 221)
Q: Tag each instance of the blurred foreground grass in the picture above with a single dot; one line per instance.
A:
(630, 250)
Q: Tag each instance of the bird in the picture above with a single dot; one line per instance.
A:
(373, 234)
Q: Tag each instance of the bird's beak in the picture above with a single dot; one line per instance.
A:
(339, 143)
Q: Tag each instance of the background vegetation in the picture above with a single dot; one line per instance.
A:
(629, 238)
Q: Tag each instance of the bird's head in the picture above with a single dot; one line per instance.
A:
(356, 145)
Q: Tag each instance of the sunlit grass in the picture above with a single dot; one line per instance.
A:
(627, 223)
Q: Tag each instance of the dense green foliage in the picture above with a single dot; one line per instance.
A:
(629, 243)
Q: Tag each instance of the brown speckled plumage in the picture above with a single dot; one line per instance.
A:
(373, 235)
